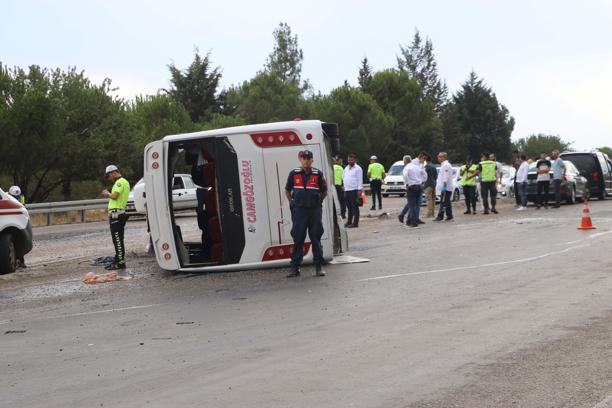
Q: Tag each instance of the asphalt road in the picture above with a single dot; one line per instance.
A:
(513, 310)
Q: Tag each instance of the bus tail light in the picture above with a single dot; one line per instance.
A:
(277, 252)
(595, 176)
(276, 139)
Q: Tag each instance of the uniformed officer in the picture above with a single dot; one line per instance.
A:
(468, 173)
(15, 191)
(117, 217)
(338, 172)
(306, 188)
(376, 174)
(487, 170)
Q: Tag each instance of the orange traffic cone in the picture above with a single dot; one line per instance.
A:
(586, 218)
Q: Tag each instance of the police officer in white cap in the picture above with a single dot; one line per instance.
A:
(118, 197)
(376, 174)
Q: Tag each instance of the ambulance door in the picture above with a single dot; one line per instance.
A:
(278, 162)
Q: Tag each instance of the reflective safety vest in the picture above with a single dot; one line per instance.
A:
(338, 171)
(488, 172)
(306, 194)
(468, 172)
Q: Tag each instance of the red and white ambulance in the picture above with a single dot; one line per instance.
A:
(243, 217)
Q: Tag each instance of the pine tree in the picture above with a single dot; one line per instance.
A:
(365, 74)
(419, 62)
(285, 60)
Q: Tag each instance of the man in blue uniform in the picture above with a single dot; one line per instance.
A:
(306, 188)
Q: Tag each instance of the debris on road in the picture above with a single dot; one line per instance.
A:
(347, 259)
(93, 278)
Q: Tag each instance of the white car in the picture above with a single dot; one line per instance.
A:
(15, 233)
(506, 187)
(394, 181)
(183, 194)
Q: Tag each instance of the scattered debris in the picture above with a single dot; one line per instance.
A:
(103, 261)
(14, 331)
(93, 278)
(347, 259)
(184, 322)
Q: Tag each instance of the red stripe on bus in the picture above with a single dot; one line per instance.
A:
(276, 139)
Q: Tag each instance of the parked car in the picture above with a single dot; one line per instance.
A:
(597, 169)
(183, 194)
(573, 187)
(506, 187)
(15, 233)
(394, 181)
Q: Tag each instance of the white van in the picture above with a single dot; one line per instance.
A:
(394, 181)
(243, 217)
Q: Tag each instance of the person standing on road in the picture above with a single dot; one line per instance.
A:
(487, 169)
(415, 176)
(445, 184)
(543, 169)
(558, 168)
(430, 186)
(516, 164)
(521, 182)
(468, 173)
(117, 217)
(352, 179)
(376, 174)
(306, 189)
(15, 192)
(407, 159)
(338, 171)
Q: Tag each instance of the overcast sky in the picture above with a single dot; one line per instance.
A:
(549, 62)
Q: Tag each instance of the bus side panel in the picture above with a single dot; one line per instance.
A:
(253, 192)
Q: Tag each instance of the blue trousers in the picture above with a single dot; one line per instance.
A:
(415, 194)
(446, 205)
(306, 220)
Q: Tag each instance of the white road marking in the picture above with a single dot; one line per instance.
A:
(513, 261)
(607, 403)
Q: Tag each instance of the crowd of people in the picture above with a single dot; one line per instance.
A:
(426, 184)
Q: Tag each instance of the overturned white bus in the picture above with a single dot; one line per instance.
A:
(243, 217)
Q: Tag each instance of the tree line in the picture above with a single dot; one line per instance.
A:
(58, 128)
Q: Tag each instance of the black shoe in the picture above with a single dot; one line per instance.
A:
(401, 219)
(486, 211)
(556, 206)
(474, 212)
(380, 207)
(295, 272)
(115, 267)
(420, 222)
(347, 225)
(438, 219)
(343, 216)
(467, 212)
(494, 211)
(450, 219)
(372, 208)
(537, 207)
(319, 270)
(351, 226)
(413, 225)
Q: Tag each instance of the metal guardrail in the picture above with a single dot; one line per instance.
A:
(63, 206)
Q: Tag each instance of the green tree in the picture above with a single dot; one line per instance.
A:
(533, 145)
(476, 123)
(219, 121)
(415, 126)
(418, 60)
(267, 98)
(55, 128)
(365, 74)
(364, 126)
(196, 87)
(285, 60)
(605, 150)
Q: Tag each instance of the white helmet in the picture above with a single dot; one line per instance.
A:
(373, 158)
(15, 191)
(110, 168)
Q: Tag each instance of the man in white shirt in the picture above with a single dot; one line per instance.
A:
(445, 184)
(352, 178)
(521, 182)
(407, 159)
(414, 177)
